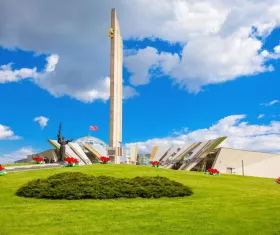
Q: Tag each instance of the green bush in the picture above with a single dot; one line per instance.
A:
(76, 185)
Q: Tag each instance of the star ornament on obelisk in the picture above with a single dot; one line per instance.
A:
(116, 64)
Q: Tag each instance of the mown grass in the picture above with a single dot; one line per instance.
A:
(220, 205)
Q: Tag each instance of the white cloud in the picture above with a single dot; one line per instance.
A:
(261, 116)
(223, 49)
(240, 135)
(43, 121)
(139, 64)
(219, 44)
(129, 92)
(271, 103)
(219, 61)
(7, 74)
(180, 132)
(52, 61)
(277, 49)
(7, 134)
(101, 90)
(172, 20)
(44, 80)
(17, 155)
(201, 65)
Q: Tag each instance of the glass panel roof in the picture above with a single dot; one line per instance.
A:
(91, 141)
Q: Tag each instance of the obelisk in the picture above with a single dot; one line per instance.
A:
(116, 64)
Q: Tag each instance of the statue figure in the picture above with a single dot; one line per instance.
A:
(62, 142)
(111, 33)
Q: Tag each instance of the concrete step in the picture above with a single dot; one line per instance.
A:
(32, 167)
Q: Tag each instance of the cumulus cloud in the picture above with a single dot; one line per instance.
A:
(7, 134)
(52, 61)
(271, 103)
(7, 74)
(206, 60)
(129, 92)
(240, 135)
(226, 48)
(44, 80)
(141, 64)
(261, 116)
(79, 46)
(17, 155)
(43, 121)
(222, 40)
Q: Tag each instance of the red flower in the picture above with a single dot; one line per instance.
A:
(156, 163)
(278, 180)
(38, 159)
(70, 160)
(104, 159)
(213, 171)
(2, 168)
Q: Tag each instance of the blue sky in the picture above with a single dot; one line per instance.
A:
(179, 87)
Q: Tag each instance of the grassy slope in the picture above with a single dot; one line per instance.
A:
(220, 205)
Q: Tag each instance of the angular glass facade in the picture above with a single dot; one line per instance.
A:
(95, 143)
(143, 159)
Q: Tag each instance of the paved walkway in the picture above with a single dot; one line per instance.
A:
(32, 167)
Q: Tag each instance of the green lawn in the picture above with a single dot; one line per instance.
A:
(222, 205)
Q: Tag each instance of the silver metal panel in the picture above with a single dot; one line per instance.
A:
(172, 150)
(77, 149)
(199, 154)
(160, 152)
(184, 148)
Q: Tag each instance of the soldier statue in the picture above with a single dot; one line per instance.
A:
(63, 143)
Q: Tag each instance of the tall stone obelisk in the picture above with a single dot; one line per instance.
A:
(116, 64)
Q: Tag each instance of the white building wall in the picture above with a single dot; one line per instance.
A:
(131, 154)
(255, 163)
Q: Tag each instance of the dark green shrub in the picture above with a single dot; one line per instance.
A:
(76, 185)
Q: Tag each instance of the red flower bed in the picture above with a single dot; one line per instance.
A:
(2, 170)
(212, 171)
(70, 161)
(104, 159)
(38, 160)
(277, 181)
(156, 164)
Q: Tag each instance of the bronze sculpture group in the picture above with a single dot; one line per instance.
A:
(61, 140)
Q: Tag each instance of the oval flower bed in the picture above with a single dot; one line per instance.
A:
(212, 171)
(156, 164)
(277, 181)
(2, 170)
(71, 162)
(104, 160)
(76, 185)
(38, 160)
